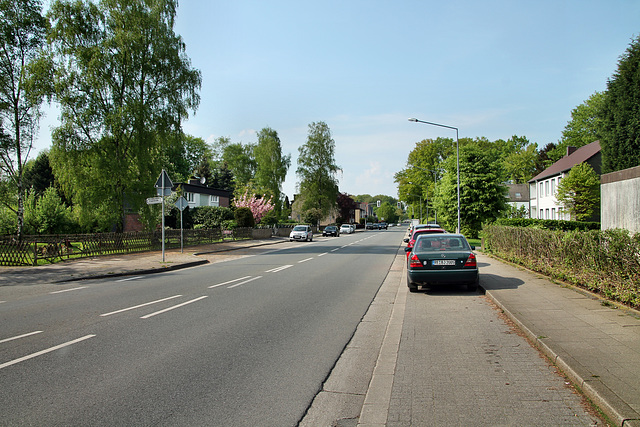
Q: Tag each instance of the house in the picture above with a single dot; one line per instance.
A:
(518, 196)
(543, 187)
(198, 194)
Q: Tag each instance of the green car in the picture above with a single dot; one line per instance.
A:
(441, 259)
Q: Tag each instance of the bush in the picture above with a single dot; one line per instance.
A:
(548, 224)
(244, 217)
(211, 216)
(8, 222)
(601, 261)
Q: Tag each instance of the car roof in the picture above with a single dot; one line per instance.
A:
(427, 231)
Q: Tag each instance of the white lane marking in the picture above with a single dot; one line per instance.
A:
(246, 281)
(275, 270)
(19, 336)
(172, 308)
(141, 305)
(67, 290)
(323, 254)
(230, 281)
(129, 278)
(49, 350)
(304, 260)
(333, 250)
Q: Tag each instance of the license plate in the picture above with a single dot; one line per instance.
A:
(443, 262)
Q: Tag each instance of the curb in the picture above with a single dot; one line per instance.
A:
(136, 272)
(609, 403)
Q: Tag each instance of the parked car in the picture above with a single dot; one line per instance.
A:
(383, 225)
(441, 259)
(331, 230)
(347, 228)
(370, 226)
(301, 232)
(411, 240)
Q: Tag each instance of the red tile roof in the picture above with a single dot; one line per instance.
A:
(581, 155)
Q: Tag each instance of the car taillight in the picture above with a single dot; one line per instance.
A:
(471, 261)
(414, 261)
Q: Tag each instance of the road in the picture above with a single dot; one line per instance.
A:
(244, 342)
(251, 340)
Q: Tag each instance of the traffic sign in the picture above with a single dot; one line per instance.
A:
(154, 200)
(181, 203)
(163, 180)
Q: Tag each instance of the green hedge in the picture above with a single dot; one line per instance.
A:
(549, 224)
(607, 262)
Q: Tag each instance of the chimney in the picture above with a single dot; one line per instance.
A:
(571, 150)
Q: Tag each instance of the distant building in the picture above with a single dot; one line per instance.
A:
(543, 187)
(518, 196)
(619, 201)
(198, 194)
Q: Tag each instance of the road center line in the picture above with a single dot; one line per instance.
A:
(19, 336)
(246, 281)
(277, 269)
(304, 260)
(335, 249)
(173, 307)
(230, 281)
(49, 350)
(129, 278)
(67, 290)
(141, 305)
(323, 254)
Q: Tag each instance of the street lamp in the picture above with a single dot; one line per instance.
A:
(457, 157)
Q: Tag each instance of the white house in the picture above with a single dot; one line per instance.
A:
(198, 194)
(543, 187)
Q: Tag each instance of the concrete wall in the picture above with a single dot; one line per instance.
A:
(620, 200)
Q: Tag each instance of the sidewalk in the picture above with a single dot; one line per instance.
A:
(596, 345)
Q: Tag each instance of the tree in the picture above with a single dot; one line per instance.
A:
(584, 127)
(482, 194)
(520, 166)
(579, 192)
(124, 84)
(388, 212)
(25, 81)
(239, 159)
(38, 175)
(346, 208)
(620, 114)
(259, 206)
(317, 171)
(271, 166)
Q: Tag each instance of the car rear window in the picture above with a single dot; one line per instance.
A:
(440, 243)
(300, 228)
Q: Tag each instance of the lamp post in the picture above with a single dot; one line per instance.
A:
(457, 157)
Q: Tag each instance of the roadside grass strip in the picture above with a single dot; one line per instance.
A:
(140, 305)
(49, 350)
(20, 336)
(173, 307)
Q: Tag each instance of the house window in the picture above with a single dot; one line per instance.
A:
(214, 200)
(553, 186)
(553, 213)
(546, 188)
(546, 213)
(518, 195)
(541, 214)
(190, 197)
(541, 189)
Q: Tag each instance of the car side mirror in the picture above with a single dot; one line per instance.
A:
(406, 240)
(407, 250)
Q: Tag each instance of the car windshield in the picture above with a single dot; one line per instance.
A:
(300, 228)
(428, 243)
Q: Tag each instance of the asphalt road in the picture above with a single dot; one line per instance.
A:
(241, 343)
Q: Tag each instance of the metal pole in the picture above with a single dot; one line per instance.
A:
(181, 228)
(457, 158)
(163, 225)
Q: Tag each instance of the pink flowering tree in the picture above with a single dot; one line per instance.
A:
(259, 206)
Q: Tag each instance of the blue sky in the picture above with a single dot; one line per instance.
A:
(492, 69)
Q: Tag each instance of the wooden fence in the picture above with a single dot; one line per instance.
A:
(34, 250)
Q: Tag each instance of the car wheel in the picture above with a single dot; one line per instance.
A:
(311, 239)
(412, 286)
